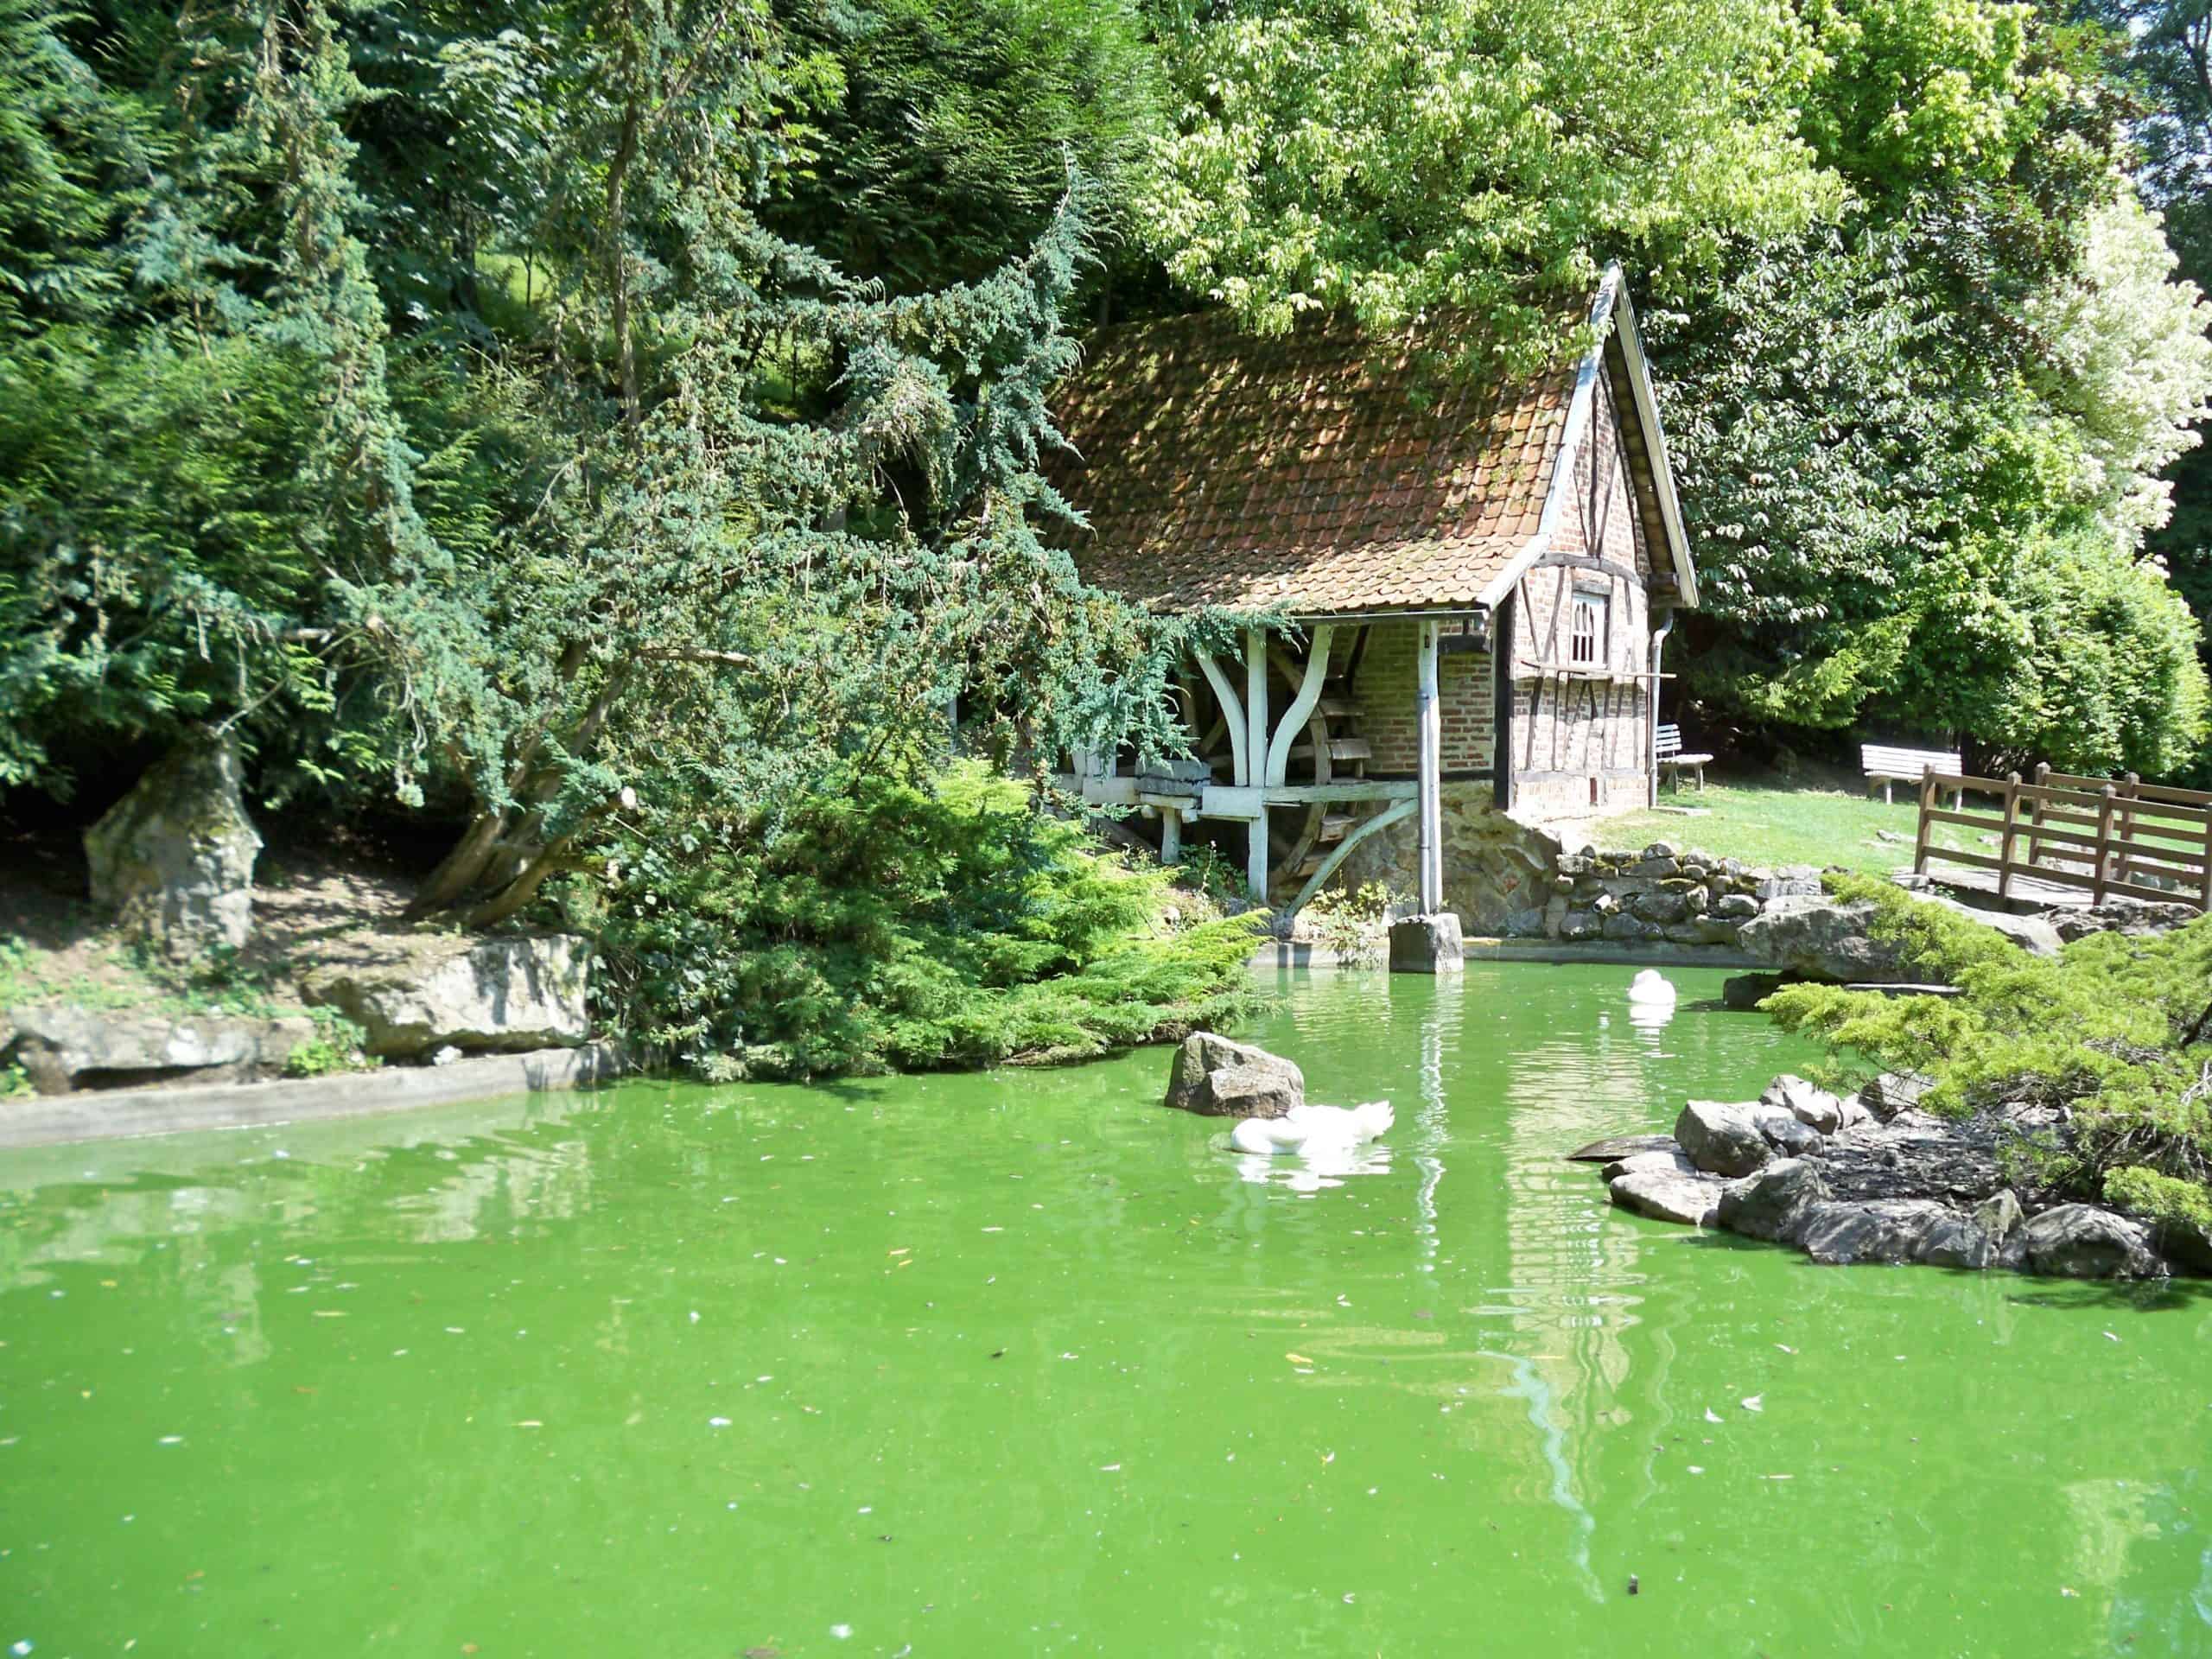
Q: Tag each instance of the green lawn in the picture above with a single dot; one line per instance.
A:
(1776, 823)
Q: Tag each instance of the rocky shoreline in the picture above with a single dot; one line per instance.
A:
(1871, 1178)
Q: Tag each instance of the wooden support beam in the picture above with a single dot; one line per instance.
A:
(1429, 721)
(1255, 750)
(1337, 854)
(1301, 706)
(1232, 709)
(1170, 836)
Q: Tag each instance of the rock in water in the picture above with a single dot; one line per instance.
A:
(1215, 1077)
(1768, 1205)
(1879, 1229)
(174, 857)
(1721, 1138)
(2078, 1241)
(1814, 1107)
(502, 993)
(1668, 1195)
(1614, 1147)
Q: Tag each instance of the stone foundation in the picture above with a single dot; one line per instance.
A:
(1495, 866)
(1684, 897)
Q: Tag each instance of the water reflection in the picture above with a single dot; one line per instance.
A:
(1306, 1173)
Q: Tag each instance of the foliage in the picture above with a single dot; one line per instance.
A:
(891, 924)
(935, 153)
(337, 1046)
(1483, 155)
(1353, 923)
(2118, 1030)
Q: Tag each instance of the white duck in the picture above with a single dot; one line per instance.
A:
(1651, 989)
(1311, 1129)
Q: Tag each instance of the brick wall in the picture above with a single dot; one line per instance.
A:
(1386, 690)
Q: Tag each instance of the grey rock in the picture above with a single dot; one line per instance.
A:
(1572, 864)
(2080, 1241)
(2135, 917)
(174, 859)
(1217, 1076)
(1660, 907)
(1581, 924)
(1894, 1092)
(1670, 1161)
(1768, 1204)
(1702, 930)
(1998, 1215)
(1657, 864)
(1661, 849)
(1666, 1195)
(1819, 938)
(1736, 906)
(1878, 1229)
(2031, 933)
(1524, 924)
(1614, 1147)
(1791, 881)
(2186, 1244)
(1784, 1133)
(1744, 992)
(64, 1046)
(1722, 1138)
(1959, 1241)
(512, 993)
(1628, 927)
(1809, 1103)
(1426, 944)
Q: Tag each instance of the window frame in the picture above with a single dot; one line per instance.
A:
(1597, 604)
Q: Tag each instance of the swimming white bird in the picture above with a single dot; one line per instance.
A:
(1651, 986)
(1307, 1130)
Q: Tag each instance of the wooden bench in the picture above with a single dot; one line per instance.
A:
(1672, 760)
(1891, 767)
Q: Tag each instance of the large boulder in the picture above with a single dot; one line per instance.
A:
(1816, 937)
(1722, 1138)
(1614, 1147)
(513, 992)
(1768, 1205)
(2033, 934)
(1215, 1076)
(1668, 1195)
(1809, 1103)
(2079, 1240)
(1878, 1229)
(173, 858)
(64, 1046)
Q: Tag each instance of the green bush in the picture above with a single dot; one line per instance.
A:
(889, 925)
(2116, 1029)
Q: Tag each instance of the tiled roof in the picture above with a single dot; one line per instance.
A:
(1319, 473)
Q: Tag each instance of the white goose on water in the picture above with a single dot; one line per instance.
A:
(1651, 989)
(1309, 1129)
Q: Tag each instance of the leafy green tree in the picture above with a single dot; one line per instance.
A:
(936, 148)
(1487, 154)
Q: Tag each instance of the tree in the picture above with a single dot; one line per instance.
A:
(1488, 154)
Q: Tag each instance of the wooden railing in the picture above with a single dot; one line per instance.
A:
(2114, 838)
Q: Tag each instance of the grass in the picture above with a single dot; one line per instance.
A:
(1773, 822)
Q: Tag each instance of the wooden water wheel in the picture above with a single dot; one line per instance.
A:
(1329, 750)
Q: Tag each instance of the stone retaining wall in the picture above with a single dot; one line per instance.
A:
(1682, 896)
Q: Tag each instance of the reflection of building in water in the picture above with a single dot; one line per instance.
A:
(1556, 1328)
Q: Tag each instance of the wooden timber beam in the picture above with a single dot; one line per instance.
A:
(1301, 706)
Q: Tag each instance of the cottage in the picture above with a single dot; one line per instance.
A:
(1478, 577)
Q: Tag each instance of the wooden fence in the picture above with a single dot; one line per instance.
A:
(2111, 838)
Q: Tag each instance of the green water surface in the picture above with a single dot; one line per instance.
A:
(1022, 1363)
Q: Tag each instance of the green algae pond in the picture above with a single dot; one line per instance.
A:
(1023, 1363)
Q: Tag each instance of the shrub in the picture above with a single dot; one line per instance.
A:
(891, 925)
(2118, 1030)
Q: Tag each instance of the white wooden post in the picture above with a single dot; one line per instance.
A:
(1171, 835)
(1301, 707)
(1232, 712)
(1255, 750)
(1430, 841)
